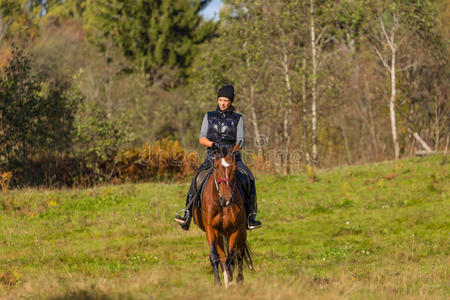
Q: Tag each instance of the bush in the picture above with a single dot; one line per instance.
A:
(165, 159)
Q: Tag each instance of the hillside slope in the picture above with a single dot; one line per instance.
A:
(372, 231)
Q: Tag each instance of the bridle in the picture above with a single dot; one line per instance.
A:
(222, 201)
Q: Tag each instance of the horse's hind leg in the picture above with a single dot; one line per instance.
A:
(214, 258)
(240, 253)
(233, 252)
(240, 263)
(230, 265)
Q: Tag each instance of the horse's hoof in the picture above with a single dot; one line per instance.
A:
(240, 279)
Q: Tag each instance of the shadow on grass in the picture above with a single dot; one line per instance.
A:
(83, 295)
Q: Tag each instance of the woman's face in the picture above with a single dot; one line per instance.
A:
(224, 103)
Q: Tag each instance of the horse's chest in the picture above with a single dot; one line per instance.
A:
(224, 219)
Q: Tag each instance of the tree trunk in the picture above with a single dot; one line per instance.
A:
(347, 148)
(313, 88)
(392, 103)
(390, 40)
(254, 120)
(421, 141)
(371, 122)
(305, 122)
(287, 123)
(4, 27)
(259, 140)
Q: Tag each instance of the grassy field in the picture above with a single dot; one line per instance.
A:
(363, 232)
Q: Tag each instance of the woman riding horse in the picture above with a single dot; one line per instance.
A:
(223, 128)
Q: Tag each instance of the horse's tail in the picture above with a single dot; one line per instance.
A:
(247, 256)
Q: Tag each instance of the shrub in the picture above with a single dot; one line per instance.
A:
(162, 160)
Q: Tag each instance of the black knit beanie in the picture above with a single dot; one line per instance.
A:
(226, 91)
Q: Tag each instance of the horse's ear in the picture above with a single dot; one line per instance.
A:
(236, 148)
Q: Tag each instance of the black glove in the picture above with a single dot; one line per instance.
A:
(214, 147)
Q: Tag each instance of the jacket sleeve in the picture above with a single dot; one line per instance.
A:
(204, 129)
(240, 135)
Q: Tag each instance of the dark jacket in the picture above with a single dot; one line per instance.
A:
(222, 129)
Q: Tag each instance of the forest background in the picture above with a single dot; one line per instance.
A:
(111, 91)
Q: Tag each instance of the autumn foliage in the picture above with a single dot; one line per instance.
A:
(163, 160)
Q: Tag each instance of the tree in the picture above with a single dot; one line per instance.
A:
(318, 42)
(159, 37)
(34, 117)
(16, 19)
(237, 55)
(395, 23)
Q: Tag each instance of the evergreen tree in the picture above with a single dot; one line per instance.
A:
(158, 37)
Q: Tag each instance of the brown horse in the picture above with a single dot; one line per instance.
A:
(222, 217)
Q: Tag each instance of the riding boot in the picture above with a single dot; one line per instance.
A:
(185, 220)
(252, 222)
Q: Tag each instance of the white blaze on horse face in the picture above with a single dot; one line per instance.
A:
(224, 163)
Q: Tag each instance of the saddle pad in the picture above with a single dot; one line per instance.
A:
(200, 178)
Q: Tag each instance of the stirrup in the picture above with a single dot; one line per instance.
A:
(256, 219)
(180, 219)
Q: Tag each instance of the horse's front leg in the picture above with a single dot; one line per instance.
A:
(227, 276)
(212, 237)
(233, 243)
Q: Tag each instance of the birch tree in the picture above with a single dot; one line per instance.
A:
(292, 37)
(318, 41)
(389, 62)
(282, 17)
(314, 45)
(305, 115)
(393, 26)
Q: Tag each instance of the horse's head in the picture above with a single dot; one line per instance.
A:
(225, 173)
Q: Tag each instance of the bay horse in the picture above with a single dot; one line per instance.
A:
(222, 217)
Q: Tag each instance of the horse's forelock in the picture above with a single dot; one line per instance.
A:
(223, 151)
(225, 160)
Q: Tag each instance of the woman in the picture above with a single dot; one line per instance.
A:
(223, 127)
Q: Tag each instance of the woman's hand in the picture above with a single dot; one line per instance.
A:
(214, 147)
(205, 142)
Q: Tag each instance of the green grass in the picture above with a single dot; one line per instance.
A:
(372, 231)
